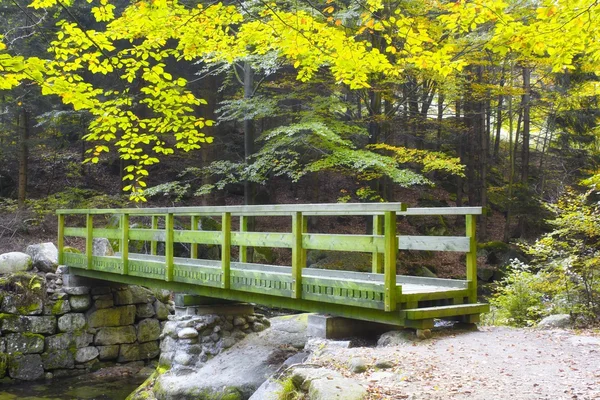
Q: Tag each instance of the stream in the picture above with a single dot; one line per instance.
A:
(82, 387)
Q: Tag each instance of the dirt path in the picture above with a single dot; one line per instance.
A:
(492, 363)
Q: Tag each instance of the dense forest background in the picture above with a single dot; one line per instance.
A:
(483, 103)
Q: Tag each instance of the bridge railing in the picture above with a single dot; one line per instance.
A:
(383, 243)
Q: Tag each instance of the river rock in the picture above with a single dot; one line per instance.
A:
(148, 330)
(115, 335)
(555, 321)
(24, 343)
(396, 338)
(117, 316)
(161, 311)
(32, 324)
(324, 384)
(269, 390)
(31, 303)
(71, 322)
(58, 307)
(58, 359)
(358, 365)
(102, 247)
(44, 256)
(86, 354)
(76, 290)
(14, 262)
(187, 333)
(26, 367)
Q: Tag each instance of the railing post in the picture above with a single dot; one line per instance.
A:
(169, 263)
(124, 245)
(377, 265)
(194, 246)
(61, 239)
(89, 239)
(243, 228)
(471, 225)
(298, 254)
(226, 251)
(391, 249)
(154, 243)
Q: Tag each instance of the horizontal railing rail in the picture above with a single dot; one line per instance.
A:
(383, 244)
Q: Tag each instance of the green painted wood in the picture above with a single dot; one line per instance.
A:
(377, 263)
(304, 251)
(89, 239)
(261, 239)
(194, 246)
(434, 243)
(156, 235)
(440, 282)
(124, 243)
(342, 310)
(269, 209)
(471, 225)
(259, 282)
(206, 276)
(226, 250)
(331, 242)
(169, 241)
(201, 237)
(243, 229)
(154, 242)
(442, 211)
(343, 284)
(75, 232)
(445, 311)
(61, 239)
(110, 264)
(297, 257)
(114, 234)
(147, 269)
(448, 294)
(391, 246)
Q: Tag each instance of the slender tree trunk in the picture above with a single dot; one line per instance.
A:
(249, 190)
(526, 137)
(23, 156)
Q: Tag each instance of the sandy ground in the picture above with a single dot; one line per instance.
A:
(492, 363)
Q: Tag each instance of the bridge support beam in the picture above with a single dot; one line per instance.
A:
(187, 304)
(331, 327)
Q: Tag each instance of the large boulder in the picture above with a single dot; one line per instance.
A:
(102, 247)
(44, 256)
(14, 262)
(555, 322)
(325, 384)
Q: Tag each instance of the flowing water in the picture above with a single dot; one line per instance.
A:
(81, 387)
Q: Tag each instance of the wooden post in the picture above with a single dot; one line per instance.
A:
(298, 254)
(153, 243)
(169, 255)
(194, 246)
(226, 251)
(391, 249)
(243, 228)
(61, 239)
(89, 239)
(377, 266)
(124, 245)
(471, 223)
(303, 251)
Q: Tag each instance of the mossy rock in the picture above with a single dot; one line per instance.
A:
(264, 255)
(69, 249)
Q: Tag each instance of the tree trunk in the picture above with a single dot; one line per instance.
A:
(526, 136)
(249, 189)
(23, 157)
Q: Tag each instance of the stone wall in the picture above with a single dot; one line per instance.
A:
(47, 330)
(189, 340)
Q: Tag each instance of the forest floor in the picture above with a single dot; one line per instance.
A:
(491, 363)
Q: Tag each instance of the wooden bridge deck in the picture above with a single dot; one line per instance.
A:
(381, 296)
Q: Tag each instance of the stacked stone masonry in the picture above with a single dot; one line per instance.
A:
(188, 341)
(47, 330)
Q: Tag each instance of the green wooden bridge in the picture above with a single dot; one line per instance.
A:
(380, 296)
